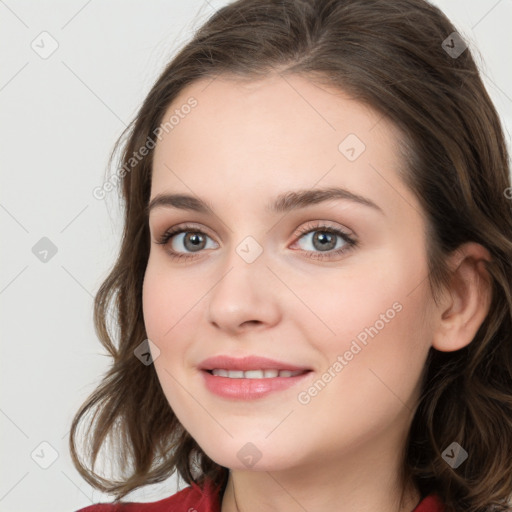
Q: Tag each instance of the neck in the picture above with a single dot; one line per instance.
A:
(362, 482)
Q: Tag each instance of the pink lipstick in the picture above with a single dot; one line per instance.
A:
(250, 377)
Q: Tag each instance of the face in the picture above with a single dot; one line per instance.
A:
(331, 288)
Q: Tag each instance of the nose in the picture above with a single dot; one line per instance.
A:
(245, 297)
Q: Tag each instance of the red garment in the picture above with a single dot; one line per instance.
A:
(193, 499)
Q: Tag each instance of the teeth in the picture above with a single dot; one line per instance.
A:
(255, 374)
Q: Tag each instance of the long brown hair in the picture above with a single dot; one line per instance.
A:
(390, 55)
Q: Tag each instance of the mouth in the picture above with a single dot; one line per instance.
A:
(250, 377)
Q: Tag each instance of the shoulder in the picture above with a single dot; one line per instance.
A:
(430, 503)
(190, 499)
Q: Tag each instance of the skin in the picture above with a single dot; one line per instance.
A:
(242, 145)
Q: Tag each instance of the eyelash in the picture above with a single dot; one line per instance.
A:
(350, 242)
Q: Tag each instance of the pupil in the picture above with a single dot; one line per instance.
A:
(195, 239)
(323, 238)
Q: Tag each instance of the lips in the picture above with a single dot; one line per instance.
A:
(251, 377)
(248, 363)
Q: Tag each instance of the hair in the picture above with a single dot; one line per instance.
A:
(387, 54)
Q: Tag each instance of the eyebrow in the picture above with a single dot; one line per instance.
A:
(286, 202)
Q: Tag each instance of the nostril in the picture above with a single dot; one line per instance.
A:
(252, 322)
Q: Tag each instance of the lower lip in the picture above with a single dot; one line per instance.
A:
(249, 389)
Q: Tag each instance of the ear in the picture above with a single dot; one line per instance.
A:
(466, 302)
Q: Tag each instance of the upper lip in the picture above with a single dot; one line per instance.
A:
(247, 363)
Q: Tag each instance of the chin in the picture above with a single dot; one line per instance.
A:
(242, 454)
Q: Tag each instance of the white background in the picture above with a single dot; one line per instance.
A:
(60, 117)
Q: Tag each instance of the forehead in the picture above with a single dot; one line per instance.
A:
(265, 107)
(271, 135)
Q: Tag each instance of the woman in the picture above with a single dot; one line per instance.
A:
(341, 339)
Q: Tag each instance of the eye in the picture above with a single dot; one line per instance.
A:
(330, 241)
(187, 236)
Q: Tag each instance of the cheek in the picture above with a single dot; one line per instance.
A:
(376, 357)
(344, 304)
(171, 309)
(376, 317)
(165, 303)
(154, 303)
(372, 365)
(167, 299)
